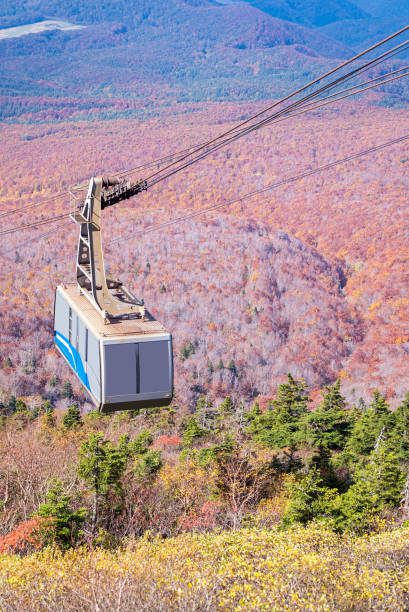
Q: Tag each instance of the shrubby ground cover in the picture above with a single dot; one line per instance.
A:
(251, 569)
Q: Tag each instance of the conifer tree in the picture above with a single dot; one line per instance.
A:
(205, 413)
(11, 404)
(72, 417)
(102, 465)
(54, 381)
(148, 464)
(328, 426)
(227, 407)
(281, 426)
(67, 521)
(226, 417)
(322, 461)
(377, 486)
(139, 446)
(192, 431)
(309, 499)
(48, 417)
(374, 423)
(398, 440)
(66, 389)
(232, 367)
(20, 406)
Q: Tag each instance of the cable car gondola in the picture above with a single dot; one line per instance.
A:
(118, 351)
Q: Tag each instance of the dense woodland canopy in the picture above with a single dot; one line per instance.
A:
(335, 283)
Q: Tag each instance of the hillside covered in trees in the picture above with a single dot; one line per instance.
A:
(311, 277)
(141, 58)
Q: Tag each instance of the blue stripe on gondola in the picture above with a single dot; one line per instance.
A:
(73, 357)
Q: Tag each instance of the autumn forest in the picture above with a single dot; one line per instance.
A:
(278, 476)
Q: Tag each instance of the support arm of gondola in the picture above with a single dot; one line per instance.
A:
(109, 296)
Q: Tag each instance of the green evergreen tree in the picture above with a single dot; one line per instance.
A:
(8, 363)
(205, 414)
(72, 417)
(46, 406)
(187, 349)
(377, 486)
(232, 367)
(281, 426)
(226, 416)
(54, 381)
(67, 521)
(309, 499)
(20, 406)
(227, 407)
(322, 461)
(192, 432)
(398, 440)
(377, 421)
(11, 404)
(48, 414)
(218, 452)
(379, 405)
(140, 445)
(220, 365)
(66, 390)
(254, 412)
(102, 465)
(149, 464)
(328, 426)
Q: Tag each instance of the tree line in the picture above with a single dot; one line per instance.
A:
(102, 478)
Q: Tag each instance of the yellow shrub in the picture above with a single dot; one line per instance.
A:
(301, 569)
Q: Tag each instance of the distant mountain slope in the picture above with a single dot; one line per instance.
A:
(196, 21)
(242, 27)
(383, 18)
(167, 51)
(173, 51)
(310, 12)
(385, 9)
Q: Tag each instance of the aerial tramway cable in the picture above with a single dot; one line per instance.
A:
(280, 183)
(135, 359)
(275, 120)
(387, 55)
(400, 47)
(242, 198)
